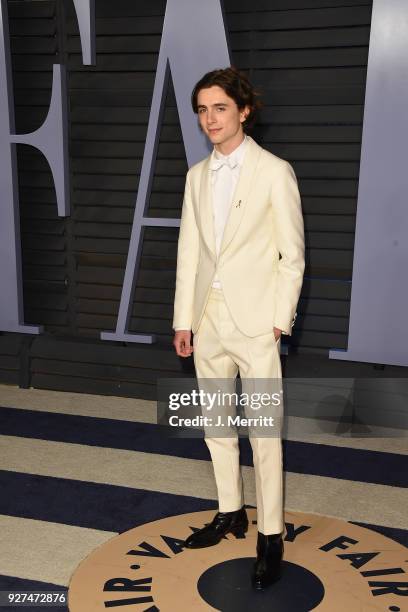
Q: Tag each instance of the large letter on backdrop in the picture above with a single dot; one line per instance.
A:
(52, 140)
(193, 42)
(378, 331)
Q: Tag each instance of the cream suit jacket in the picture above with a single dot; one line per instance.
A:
(261, 259)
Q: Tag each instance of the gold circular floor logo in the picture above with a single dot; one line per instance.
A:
(329, 566)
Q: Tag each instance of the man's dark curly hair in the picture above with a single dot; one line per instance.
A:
(236, 85)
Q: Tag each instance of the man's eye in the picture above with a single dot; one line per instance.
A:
(201, 110)
(221, 108)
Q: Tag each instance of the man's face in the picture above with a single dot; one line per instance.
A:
(220, 117)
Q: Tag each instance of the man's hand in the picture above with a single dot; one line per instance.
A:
(182, 343)
(277, 332)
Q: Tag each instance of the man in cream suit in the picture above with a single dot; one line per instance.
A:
(239, 274)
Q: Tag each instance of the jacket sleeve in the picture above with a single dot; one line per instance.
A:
(187, 262)
(289, 235)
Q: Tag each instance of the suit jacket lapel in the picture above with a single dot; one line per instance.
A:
(241, 194)
(206, 206)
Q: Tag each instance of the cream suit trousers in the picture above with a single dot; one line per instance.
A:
(220, 351)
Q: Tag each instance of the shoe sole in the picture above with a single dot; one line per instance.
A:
(261, 587)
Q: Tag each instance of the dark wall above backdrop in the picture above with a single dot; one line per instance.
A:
(311, 64)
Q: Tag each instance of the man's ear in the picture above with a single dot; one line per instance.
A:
(244, 113)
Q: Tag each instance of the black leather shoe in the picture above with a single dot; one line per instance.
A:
(267, 568)
(224, 522)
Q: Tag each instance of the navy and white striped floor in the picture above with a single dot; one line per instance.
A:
(78, 469)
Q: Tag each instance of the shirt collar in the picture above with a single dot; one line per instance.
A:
(237, 155)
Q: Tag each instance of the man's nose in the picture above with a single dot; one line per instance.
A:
(210, 117)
